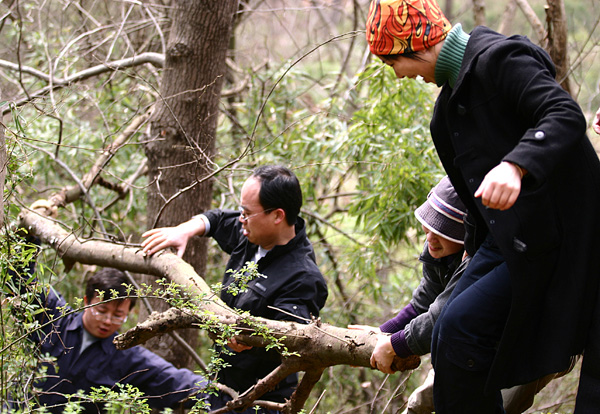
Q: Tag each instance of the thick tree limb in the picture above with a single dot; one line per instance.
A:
(309, 380)
(102, 253)
(508, 17)
(314, 346)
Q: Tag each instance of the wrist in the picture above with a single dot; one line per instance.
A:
(400, 345)
(521, 171)
(196, 226)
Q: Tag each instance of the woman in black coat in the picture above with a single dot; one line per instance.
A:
(513, 143)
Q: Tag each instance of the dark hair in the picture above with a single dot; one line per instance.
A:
(106, 280)
(279, 188)
(409, 55)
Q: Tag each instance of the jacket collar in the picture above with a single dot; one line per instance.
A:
(298, 240)
(481, 38)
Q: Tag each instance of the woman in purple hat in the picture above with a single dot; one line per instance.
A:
(444, 260)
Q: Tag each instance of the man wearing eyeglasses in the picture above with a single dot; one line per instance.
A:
(85, 356)
(266, 230)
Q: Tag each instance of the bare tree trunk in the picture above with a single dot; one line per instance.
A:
(508, 16)
(557, 41)
(3, 162)
(533, 21)
(183, 127)
(448, 10)
(479, 12)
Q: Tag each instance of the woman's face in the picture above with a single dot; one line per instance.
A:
(404, 67)
(439, 246)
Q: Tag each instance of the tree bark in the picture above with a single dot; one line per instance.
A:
(533, 20)
(3, 162)
(508, 16)
(183, 127)
(479, 12)
(557, 41)
(554, 40)
(449, 10)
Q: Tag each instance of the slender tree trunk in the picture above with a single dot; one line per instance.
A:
(3, 162)
(479, 12)
(533, 20)
(557, 41)
(449, 10)
(508, 17)
(183, 127)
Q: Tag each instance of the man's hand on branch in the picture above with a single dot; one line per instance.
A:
(49, 208)
(176, 237)
(238, 346)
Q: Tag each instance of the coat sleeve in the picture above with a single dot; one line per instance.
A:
(304, 295)
(418, 332)
(162, 383)
(553, 121)
(225, 228)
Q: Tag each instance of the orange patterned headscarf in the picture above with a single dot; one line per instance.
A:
(400, 26)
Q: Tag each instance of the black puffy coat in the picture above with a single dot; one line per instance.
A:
(293, 286)
(506, 105)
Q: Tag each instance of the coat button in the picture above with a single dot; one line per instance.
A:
(470, 363)
(456, 134)
(539, 135)
(461, 110)
(492, 221)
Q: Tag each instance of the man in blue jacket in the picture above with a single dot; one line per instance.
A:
(267, 231)
(85, 356)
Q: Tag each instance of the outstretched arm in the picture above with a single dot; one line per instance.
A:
(176, 237)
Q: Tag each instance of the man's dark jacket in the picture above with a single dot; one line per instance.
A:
(507, 106)
(101, 364)
(293, 286)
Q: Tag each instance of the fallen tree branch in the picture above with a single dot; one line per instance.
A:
(310, 348)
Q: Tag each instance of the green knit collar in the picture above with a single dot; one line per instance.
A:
(450, 58)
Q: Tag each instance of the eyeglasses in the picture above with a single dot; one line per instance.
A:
(245, 218)
(100, 316)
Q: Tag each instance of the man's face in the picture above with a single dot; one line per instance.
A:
(412, 68)
(258, 224)
(103, 320)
